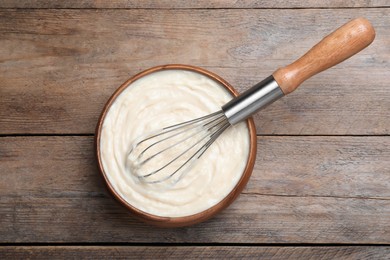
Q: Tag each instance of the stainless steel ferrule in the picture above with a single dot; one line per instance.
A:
(252, 100)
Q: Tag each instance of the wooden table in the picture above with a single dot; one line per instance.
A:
(321, 184)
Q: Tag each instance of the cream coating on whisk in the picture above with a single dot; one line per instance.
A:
(161, 99)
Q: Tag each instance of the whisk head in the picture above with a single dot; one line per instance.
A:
(167, 154)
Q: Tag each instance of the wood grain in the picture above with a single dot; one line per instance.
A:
(178, 4)
(198, 252)
(251, 219)
(322, 166)
(330, 190)
(59, 67)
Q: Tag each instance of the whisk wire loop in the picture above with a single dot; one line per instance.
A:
(198, 134)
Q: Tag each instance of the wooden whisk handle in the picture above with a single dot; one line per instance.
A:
(341, 44)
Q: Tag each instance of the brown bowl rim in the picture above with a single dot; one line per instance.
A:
(198, 217)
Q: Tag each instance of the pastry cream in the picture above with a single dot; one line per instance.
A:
(162, 99)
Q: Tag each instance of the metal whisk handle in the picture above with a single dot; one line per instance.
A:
(257, 97)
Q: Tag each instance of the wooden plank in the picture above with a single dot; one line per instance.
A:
(195, 252)
(59, 67)
(178, 4)
(355, 167)
(322, 166)
(251, 219)
(334, 190)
